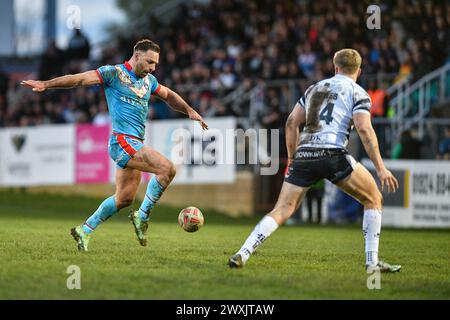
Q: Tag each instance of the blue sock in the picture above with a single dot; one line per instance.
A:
(154, 192)
(106, 210)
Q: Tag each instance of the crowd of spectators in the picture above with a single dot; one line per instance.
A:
(207, 50)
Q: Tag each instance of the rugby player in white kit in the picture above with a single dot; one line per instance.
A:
(317, 133)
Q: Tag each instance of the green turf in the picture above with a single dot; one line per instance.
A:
(308, 262)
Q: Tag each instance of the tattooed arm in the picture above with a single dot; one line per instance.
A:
(294, 125)
(369, 139)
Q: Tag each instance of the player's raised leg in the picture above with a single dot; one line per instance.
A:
(127, 183)
(149, 160)
(288, 201)
(362, 186)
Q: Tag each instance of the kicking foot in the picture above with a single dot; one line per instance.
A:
(140, 227)
(81, 238)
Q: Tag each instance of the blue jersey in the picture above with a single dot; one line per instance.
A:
(127, 96)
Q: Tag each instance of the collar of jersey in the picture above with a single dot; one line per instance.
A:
(344, 77)
(130, 69)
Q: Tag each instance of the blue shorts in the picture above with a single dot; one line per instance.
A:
(122, 148)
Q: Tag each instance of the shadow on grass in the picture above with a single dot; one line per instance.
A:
(46, 205)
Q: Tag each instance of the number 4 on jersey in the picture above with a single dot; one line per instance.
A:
(327, 112)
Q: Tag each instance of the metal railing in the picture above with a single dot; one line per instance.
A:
(411, 103)
(432, 134)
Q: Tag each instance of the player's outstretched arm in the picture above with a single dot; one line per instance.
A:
(294, 125)
(369, 139)
(88, 78)
(178, 104)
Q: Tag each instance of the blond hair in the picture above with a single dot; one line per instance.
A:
(348, 60)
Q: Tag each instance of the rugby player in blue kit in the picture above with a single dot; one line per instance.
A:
(128, 88)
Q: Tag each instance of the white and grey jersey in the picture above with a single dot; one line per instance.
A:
(330, 105)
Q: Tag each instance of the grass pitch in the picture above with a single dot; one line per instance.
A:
(307, 262)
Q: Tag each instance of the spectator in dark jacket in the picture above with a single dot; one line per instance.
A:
(444, 146)
(408, 147)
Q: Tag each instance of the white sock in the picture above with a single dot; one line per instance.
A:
(261, 232)
(371, 230)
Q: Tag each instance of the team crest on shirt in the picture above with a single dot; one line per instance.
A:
(123, 76)
(140, 87)
(141, 90)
